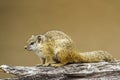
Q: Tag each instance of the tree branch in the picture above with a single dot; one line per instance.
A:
(101, 70)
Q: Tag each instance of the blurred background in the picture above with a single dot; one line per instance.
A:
(92, 24)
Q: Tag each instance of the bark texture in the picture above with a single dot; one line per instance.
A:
(81, 71)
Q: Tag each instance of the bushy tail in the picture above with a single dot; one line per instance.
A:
(96, 56)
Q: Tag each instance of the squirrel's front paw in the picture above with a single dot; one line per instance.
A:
(38, 65)
(46, 64)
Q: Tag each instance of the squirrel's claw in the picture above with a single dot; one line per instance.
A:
(46, 64)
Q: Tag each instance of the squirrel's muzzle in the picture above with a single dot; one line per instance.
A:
(28, 48)
(25, 47)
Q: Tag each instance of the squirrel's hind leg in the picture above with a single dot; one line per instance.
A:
(62, 57)
(57, 65)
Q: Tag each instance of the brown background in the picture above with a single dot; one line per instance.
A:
(92, 24)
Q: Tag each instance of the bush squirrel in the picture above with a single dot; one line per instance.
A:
(55, 48)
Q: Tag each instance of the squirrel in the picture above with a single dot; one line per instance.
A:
(56, 48)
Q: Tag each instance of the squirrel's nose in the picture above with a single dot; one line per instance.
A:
(25, 47)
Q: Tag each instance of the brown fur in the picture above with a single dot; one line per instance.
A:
(57, 45)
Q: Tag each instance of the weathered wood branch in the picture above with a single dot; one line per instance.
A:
(101, 70)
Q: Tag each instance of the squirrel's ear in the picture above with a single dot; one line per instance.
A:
(32, 36)
(39, 38)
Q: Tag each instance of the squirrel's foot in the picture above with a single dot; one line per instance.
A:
(57, 65)
(38, 65)
(46, 64)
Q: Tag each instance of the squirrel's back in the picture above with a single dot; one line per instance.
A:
(58, 39)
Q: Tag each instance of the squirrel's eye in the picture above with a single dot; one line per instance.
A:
(31, 43)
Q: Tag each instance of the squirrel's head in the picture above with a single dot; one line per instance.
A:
(34, 43)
